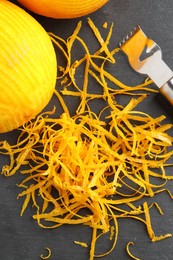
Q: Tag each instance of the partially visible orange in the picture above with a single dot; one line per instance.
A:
(63, 9)
(28, 67)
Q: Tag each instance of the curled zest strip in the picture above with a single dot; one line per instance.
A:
(128, 251)
(48, 255)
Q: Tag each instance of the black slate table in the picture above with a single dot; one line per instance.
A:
(20, 237)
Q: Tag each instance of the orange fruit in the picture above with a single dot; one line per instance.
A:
(28, 67)
(63, 8)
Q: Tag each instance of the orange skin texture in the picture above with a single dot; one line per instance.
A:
(63, 9)
(28, 67)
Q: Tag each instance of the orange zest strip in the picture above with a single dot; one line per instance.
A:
(83, 244)
(128, 251)
(48, 255)
(151, 233)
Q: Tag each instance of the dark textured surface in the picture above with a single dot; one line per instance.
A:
(20, 237)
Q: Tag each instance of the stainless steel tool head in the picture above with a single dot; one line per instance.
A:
(145, 56)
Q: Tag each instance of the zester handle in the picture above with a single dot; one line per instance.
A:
(167, 90)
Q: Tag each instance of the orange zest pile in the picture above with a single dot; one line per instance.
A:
(92, 168)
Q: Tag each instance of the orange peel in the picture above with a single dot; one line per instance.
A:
(65, 9)
(28, 67)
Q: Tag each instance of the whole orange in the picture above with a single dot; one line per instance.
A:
(63, 8)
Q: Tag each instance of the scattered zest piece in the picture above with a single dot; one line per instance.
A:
(105, 25)
(149, 226)
(48, 255)
(83, 244)
(128, 251)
